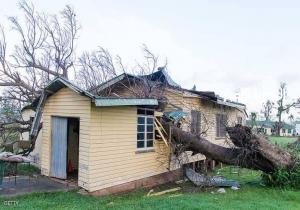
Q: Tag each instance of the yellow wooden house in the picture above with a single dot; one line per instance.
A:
(108, 144)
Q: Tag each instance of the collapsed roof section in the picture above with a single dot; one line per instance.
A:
(162, 76)
(159, 76)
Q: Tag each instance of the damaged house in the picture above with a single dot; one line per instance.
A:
(109, 139)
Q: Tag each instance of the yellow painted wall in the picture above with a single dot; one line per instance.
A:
(210, 110)
(67, 103)
(113, 155)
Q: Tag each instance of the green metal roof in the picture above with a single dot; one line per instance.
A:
(125, 102)
(268, 124)
(262, 123)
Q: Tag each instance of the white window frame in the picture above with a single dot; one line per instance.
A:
(145, 129)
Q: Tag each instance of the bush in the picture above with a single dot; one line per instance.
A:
(283, 178)
(286, 177)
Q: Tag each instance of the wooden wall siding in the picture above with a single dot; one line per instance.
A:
(67, 103)
(208, 110)
(113, 155)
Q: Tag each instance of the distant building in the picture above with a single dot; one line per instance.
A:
(267, 127)
(297, 127)
(28, 113)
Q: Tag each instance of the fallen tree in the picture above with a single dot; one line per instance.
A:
(248, 150)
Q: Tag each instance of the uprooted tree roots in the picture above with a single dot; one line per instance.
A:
(248, 150)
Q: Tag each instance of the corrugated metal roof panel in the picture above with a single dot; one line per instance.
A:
(125, 102)
(175, 115)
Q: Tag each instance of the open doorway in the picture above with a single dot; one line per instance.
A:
(65, 148)
(73, 149)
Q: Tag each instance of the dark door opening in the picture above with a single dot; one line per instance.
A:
(72, 149)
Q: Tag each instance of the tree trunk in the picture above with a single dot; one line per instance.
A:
(279, 124)
(248, 150)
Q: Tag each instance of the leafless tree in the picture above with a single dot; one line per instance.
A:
(283, 106)
(46, 50)
(100, 66)
(95, 68)
(267, 109)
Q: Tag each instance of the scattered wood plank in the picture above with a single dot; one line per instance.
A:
(150, 193)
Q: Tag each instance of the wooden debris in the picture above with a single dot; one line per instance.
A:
(163, 192)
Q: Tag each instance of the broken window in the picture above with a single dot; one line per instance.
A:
(145, 128)
(221, 121)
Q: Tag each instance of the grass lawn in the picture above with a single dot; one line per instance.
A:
(252, 195)
(281, 140)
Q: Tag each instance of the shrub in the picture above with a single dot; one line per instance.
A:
(286, 177)
(283, 178)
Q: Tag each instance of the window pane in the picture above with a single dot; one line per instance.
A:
(149, 143)
(140, 144)
(149, 136)
(141, 128)
(150, 120)
(149, 112)
(141, 120)
(141, 111)
(140, 136)
(149, 128)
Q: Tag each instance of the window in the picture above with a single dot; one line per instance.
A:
(145, 128)
(195, 122)
(221, 121)
(239, 120)
(31, 119)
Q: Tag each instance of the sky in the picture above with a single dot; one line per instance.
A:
(232, 47)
